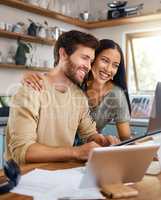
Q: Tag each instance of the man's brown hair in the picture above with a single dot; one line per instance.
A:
(70, 40)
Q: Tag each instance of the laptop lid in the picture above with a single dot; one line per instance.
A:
(154, 126)
(155, 116)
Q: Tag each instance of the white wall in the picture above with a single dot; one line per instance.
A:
(118, 33)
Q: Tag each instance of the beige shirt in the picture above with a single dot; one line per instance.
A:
(48, 117)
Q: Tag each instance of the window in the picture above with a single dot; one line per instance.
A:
(144, 61)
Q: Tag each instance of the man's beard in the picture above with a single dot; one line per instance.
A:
(71, 72)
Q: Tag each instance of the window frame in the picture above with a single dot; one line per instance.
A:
(130, 49)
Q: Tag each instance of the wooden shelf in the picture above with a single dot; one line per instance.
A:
(44, 12)
(125, 20)
(27, 38)
(14, 66)
(87, 25)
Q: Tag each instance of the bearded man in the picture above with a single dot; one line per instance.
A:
(42, 124)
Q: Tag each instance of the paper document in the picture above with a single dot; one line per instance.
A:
(50, 185)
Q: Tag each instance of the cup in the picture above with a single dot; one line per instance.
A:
(84, 15)
(2, 25)
(8, 27)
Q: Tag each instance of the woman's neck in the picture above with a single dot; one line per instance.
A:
(97, 86)
(96, 91)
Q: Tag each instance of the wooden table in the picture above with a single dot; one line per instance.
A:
(149, 188)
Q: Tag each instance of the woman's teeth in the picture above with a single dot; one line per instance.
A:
(104, 76)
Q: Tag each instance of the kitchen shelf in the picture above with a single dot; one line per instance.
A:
(125, 20)
(14, 66)
(26, 38)
(70, 20)
(44, 12)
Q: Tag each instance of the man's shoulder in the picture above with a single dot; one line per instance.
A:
(78, 91)
(25, 89)
(25, 94)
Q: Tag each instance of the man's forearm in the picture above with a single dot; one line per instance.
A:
(41, 153)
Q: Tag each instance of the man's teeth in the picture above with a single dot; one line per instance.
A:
(82, 72)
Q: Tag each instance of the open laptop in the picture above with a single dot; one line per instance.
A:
(122, 164)
(154, 126)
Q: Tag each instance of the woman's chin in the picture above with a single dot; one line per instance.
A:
(102, 81)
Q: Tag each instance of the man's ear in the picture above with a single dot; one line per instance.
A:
(62, 54)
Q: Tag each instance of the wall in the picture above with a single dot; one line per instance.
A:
(118, 33)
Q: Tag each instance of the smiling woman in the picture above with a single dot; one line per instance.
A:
(106, 89)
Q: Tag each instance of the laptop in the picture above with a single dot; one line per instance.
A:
(154, 126)
(122, 164)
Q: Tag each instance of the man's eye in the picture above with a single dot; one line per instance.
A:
(85, 57)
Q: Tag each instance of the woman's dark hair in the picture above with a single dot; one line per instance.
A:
(120, 77)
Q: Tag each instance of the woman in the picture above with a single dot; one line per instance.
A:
(105, 88)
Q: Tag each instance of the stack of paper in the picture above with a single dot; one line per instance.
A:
(51, 185)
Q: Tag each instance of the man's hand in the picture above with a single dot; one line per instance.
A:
(82, 152)
(103, 140)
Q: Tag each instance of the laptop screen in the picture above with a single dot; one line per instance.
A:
(155, 116)
(154, 126)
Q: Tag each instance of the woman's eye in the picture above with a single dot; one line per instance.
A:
(105, 61)
(116, 65)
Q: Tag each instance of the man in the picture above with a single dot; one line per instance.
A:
(42, 124)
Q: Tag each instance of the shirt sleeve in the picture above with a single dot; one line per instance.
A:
(87, 125)
(23, 121)
(123, 114)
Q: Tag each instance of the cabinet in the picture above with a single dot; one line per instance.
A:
(87, 25)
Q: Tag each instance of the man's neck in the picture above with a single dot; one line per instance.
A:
(58, 78)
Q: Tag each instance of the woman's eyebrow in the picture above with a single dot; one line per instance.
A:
(109, 59)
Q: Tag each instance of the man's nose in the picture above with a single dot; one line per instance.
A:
(89, 65)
